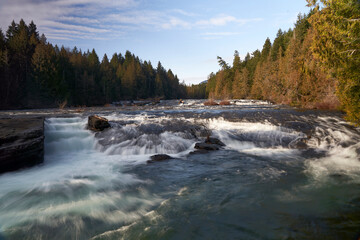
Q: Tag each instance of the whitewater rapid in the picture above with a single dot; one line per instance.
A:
(100, 186)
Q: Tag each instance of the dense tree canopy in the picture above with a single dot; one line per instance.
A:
(34, 73)
(337, 26)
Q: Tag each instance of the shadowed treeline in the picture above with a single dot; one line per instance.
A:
(36, 74)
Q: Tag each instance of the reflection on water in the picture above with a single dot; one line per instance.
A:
(262, 185)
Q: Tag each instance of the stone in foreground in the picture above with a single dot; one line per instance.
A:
(21, 143)
(97, 123)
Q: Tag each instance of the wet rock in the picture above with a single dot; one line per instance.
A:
(21, 143)
(210, 144)
(159, 158)
(210, 140)
(207, 146)
(299, 144)
(97, 123)
(300, 127)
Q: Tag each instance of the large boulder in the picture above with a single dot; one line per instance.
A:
(21, 143)
(97, 123)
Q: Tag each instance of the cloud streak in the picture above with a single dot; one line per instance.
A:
(224, 20)
(106, 19)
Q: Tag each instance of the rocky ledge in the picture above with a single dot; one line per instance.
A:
(21, 143)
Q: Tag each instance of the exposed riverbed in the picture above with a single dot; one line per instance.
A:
(283, 174)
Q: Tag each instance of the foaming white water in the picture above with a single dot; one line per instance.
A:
(67, 135)
(256, 138)
(338, 162)
(341, 146)
(74, 178)
(243, 102)
(143, 135)
(169, 143)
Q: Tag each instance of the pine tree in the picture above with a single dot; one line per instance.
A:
(337, 26)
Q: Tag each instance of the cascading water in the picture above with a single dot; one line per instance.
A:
(282, 175)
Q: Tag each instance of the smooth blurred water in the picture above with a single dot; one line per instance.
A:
(259, 186)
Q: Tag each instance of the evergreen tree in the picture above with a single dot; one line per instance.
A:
(337, 26)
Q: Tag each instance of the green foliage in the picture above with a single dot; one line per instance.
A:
(337, 26)
(290, 70)
(34, 73)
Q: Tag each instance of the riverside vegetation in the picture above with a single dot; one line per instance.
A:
(314, 65)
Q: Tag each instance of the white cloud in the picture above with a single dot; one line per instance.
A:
(224, 20)
(73, 19)
(175, 22)
(217, 21)
(182, 12)
(83, 18)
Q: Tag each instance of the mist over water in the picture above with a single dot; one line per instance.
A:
(264, 184)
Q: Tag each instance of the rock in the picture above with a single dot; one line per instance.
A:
(159, 158)
(21, 143)
(210, 140)
(300, 127)
(210, 144)
(299, 144)
(97, 123)
(207, 146)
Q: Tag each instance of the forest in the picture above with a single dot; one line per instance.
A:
(36, 74)
(314, 65)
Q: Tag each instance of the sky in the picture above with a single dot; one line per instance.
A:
(185, 36)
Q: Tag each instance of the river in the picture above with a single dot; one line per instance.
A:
(283, 174)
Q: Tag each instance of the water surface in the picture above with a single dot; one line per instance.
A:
(261, 185)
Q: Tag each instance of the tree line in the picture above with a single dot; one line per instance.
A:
(314, 65)
(35, 74)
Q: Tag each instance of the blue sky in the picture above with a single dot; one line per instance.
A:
(185, 35)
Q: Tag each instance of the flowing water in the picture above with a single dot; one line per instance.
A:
(283, 174)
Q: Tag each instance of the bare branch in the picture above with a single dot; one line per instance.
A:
(351, 51)
(353, 20)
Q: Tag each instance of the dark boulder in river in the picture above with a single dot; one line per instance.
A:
(97, 123)
(210, 140)
(159, 157)
(206, 146)
(210, 144)
(21, 143)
